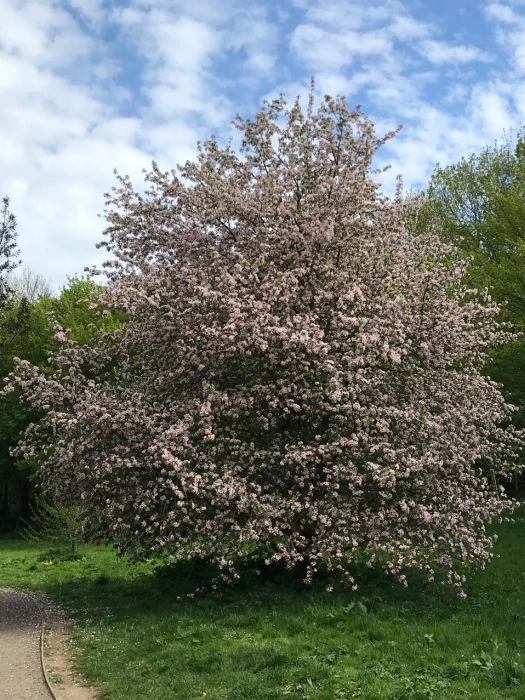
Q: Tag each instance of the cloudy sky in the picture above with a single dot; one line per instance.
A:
(87, 86)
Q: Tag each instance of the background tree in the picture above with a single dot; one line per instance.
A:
(299, 373)
(31, 285)
(80, 310)
(8, 250)
(27, 333)
(478, 204)
(32, 337)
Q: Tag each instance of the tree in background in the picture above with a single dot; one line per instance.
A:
(80, 310)
(478, 205)
(14, 323)
(8, 250)
(299, 373)
(26, 332)
(32, 338)
(31, 285)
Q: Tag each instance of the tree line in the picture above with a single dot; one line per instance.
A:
(28, 313)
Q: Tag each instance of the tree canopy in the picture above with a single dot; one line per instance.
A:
(478, 204)
(298, 374)
(28, 334)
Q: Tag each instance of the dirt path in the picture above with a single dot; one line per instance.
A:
(21, 675)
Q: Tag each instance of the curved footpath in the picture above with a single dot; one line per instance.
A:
(21, 676)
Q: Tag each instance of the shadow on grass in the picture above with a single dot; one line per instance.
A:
(269, 636)
(99, 582)
(171, 587)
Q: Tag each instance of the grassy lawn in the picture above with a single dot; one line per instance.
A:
(135, 641)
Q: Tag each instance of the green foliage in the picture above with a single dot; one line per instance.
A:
(478, 205)
(78, 310)
(8, 250)
(54, 523)
(59, 554)
(26, 331)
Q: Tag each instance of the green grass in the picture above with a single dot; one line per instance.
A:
(134, 640)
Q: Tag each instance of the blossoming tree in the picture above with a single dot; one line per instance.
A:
(299, 372)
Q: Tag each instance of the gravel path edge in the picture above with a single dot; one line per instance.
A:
(49, 625)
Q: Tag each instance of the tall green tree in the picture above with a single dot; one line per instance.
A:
(14, 325)
(32, 337)
(478, 205)
(77, 310)
(28, 335)
(8, 250)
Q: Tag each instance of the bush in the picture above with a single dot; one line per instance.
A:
(55, 523)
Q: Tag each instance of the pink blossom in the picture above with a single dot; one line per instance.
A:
(298, 372)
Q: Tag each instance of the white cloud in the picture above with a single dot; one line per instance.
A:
(178, 56)
(92, 11)
(63, 141)
(355, 15)
(43, 34)
(252, 32)
(502, 13)
(440, 137)
(406, 28)
(440, 52)
(325, 50)
(457, 93)
(490, 108)
(64, 107)
(86, 88)
(510, 36)
(397, 87)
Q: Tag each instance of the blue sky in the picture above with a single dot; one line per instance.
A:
(87, 86)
